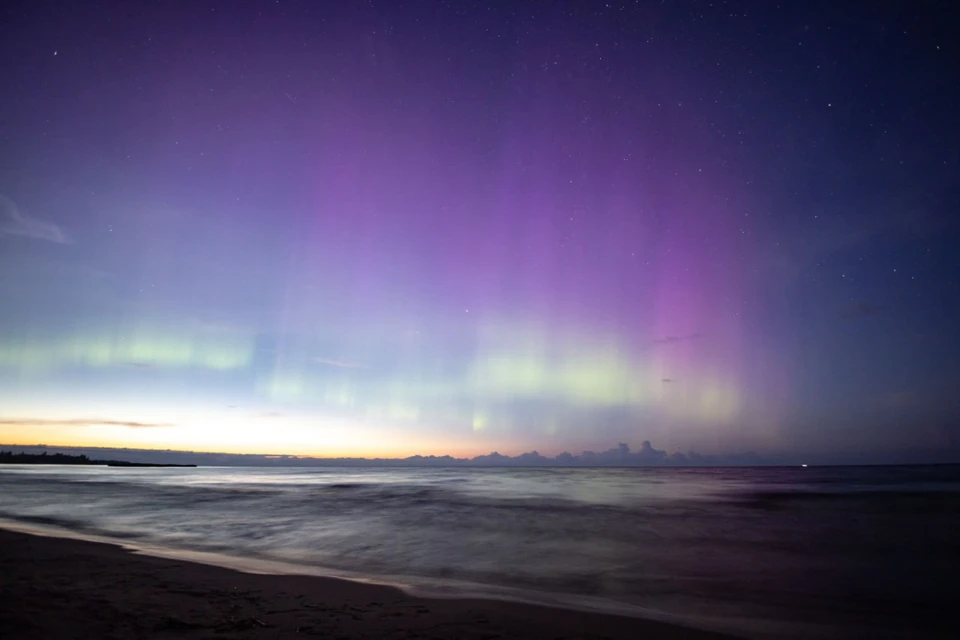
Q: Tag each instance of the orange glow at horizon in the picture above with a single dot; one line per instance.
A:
(252, 436)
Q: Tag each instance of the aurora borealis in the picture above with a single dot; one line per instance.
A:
(374, 229)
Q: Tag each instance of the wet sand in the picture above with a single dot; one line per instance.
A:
(55, 588)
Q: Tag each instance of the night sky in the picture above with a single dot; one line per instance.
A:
(386, 228)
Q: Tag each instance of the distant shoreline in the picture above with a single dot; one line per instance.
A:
(8, 457)
(188, 458)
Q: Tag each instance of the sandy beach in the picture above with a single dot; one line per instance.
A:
(55, 588)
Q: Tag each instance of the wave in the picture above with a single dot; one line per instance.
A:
(718, 544)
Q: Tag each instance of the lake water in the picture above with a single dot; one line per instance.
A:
(762, 552)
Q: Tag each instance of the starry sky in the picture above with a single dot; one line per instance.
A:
(386, 228)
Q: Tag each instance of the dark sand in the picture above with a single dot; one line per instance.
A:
(54, 588)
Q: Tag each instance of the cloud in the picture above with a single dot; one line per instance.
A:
(666, 380)
(14, 223)
(619, 456)
(861, 309)
(82, 422)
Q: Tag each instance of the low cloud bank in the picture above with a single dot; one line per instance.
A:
(619, 456)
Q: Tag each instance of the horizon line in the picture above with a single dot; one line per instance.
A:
(646, 457)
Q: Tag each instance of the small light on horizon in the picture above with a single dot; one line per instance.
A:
(804, 466)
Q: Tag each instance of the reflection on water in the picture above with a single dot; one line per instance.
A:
(760, 551)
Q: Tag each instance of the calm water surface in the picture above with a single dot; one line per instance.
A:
(825, 552)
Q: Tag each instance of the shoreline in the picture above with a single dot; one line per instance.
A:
(54, 586)
(411, 586)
